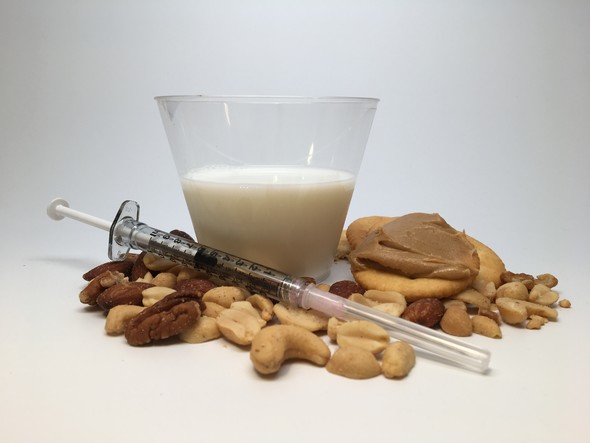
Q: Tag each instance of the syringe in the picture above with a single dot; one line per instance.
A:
(126, 232)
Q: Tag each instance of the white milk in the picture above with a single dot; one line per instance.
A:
(289, 219)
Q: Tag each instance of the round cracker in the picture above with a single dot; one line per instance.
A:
(411, 288)
(490, 265)
(359, 229)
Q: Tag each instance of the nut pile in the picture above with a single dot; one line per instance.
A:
(147, 298)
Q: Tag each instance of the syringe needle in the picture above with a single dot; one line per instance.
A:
(127, 232)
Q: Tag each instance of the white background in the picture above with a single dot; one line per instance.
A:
(484, 118)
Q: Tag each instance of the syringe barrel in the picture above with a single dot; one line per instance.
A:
(231, 269)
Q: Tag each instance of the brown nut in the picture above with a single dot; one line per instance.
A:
(456, 322)
(123, 266)
(166, 318)
(426, 312)
(139, 269)
(355, 363)
(344, 288)
(98, 284)
(122, 294)
(194, 286)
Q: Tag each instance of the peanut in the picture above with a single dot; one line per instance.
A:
(352, 362)
(155, 294)
(362, 334)
(263, 305)
(238, 326)
(205, 329)
(166, 279)
(457, 322)
(515, 290)
(398, 360)
(473, 297)
(119, 316)
(486, 326)
(536, 322)
(306, 318)
(225, 295)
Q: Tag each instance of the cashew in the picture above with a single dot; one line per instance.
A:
(565, 303)
(238, 326)
(155, 294)
(225, 295)
(515, 290)
(119, 316)
(398, 360)
(306, 318)
(362, 334)
(205, 329)
(486, 326)
(352, 362)
(263, 305)
(275, 344)
(457, 322)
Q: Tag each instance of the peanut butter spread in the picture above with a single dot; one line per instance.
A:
(418, 245)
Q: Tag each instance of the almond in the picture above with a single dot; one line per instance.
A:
(122, 294)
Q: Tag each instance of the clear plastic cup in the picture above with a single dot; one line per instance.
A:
(269, 179)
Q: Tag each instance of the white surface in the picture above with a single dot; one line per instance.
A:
(484, 118)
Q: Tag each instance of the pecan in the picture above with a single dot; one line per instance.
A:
(139, 269)
(345, 288)
(98, 284)
(426, 312)
(166, 318)
(123, 266)
(122, 294)
(194, 286)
